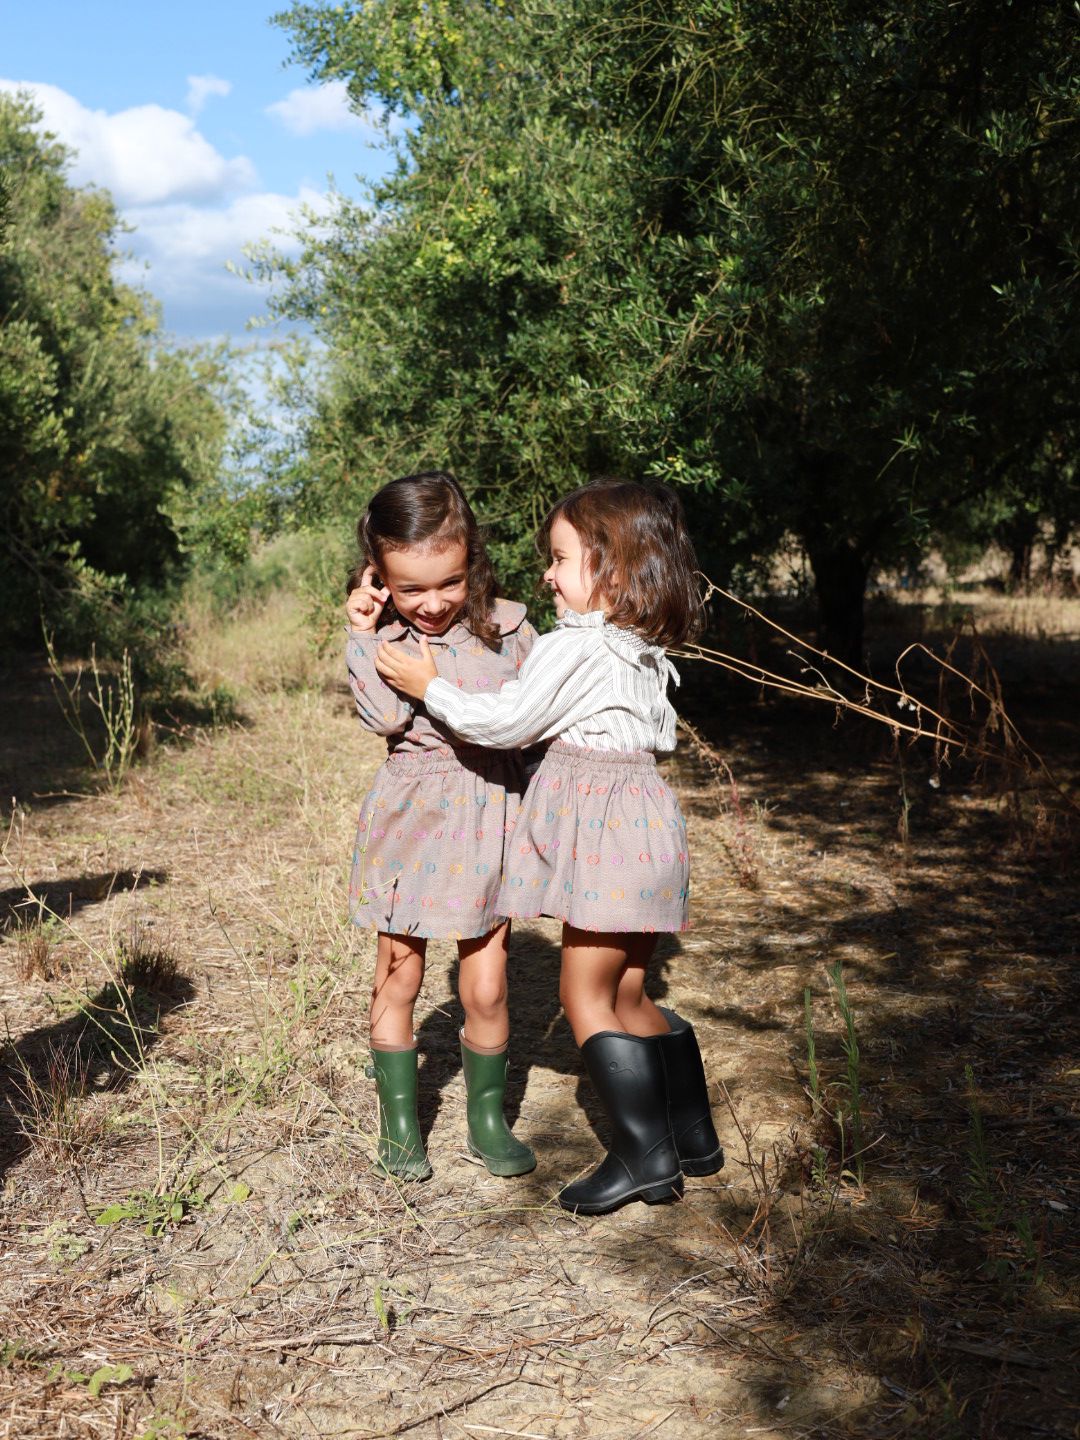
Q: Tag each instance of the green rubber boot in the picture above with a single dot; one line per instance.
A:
(401, 1151)
(490, 1138)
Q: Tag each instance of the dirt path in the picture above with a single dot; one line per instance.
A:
(283, 1290)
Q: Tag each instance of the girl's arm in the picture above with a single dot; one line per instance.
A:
(381, 709)
(561, 683)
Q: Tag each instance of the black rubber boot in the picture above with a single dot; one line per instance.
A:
(627, 1072)
(696, 1140)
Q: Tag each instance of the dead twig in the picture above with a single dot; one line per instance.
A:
(442, 1410)
(930, 723)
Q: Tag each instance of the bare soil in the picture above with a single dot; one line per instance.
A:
(187, 1193)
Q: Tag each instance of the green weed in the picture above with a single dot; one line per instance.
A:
(114, 700)
(848, 1118)
(850, 1042)
(64, 1247)
(983, 1204)
(17, 1353)
(811, 1051)
(154, 1211)
(818, 1155)
(166, 1425)
(987, 1203)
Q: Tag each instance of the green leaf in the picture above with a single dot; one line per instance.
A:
(109, 1375)
(113, 1214)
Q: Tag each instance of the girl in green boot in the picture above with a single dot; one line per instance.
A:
(434, 827)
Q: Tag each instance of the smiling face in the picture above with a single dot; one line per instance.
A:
(568, 574)
(428, 586)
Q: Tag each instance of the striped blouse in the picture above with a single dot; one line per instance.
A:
(587, 682)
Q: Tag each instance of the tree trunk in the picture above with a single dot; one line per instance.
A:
(1019, 535)
(840, 575)
(1020, 563)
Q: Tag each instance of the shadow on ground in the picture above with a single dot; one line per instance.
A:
(957, 1269)
(50, 1073)
(23, 905)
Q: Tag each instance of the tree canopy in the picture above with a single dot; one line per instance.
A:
(102, 427)
(816, 265)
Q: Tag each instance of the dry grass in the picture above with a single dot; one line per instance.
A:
(265, 648)
(1032, 615)
(33, 950)
(223, 1236)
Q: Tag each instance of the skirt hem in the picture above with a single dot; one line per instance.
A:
(596, 929)
(440, 934)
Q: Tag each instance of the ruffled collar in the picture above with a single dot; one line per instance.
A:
(627, 644)
(614, 635)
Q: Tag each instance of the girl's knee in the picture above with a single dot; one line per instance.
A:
(484, 995)
(402, 976)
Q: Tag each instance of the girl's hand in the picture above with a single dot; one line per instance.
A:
(411, 674)
(365, 603)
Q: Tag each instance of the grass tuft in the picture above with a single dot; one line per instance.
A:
(57, 1117)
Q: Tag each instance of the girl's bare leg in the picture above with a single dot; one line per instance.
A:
(482, 988)
(637, 1013)
(399, 973)
(601, 984)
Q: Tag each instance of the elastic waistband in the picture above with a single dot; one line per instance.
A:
(565, 754)
(441, 758)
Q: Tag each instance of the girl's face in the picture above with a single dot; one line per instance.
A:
(428, 587)
(568, 574)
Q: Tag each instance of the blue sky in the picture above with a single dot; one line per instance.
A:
(192, 115)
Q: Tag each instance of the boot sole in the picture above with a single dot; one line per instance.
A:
(651, 1194)
(709, 1165)
(389, 1174)
(505, 1169)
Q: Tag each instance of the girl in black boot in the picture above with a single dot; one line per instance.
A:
(600, 842)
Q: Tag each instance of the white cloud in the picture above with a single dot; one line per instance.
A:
(188, 248)
(321, 107)
(143, 155)
(201, 87)
(181, 236)
(193, 210)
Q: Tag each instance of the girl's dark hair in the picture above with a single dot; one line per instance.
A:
(430, 510)
(643, 565)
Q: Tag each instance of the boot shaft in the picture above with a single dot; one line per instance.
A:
(627, 1072)
(688, 1098)
(490, 1137)
(401, 1150)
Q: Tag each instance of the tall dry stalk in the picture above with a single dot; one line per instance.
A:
(992, 739)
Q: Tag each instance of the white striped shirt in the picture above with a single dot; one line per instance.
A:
(589, 683)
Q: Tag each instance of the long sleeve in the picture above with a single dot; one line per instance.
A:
(381, 709)
(564, 680)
